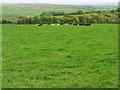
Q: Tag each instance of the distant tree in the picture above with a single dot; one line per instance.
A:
(118, 14)
(112, 11)
(55, 20)
(94, 17)
(62, 19)
(114, 18)
(80, 16)
(58, 14)
(86, 18)
(19, 21)
(21, 17)
(82, 19)
(118, 10)
(103, 19)
(4, 21)
(107, 15)
(49, 20)
(80, 12)
(67, 15)
(43, 19)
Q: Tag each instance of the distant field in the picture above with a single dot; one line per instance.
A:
(60, 56)
(13, 11)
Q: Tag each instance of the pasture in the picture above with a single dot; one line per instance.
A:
(63, 56)
(14, 11)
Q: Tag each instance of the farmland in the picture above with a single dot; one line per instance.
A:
(14, 11)
(64, 56)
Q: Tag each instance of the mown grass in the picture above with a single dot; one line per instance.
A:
(60, 56)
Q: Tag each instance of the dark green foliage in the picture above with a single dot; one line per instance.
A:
(118, 9)
(58, 13)
(21, 17)
(4, 21)
(92, 16)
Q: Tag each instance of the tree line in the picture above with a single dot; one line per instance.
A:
(92, 16)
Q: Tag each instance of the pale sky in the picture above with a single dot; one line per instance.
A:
(87, 2)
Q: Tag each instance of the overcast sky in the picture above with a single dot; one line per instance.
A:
(84, 2)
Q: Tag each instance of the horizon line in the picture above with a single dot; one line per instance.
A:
(65, 4)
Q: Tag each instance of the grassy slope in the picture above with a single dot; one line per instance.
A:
(60, 56)
(12, 11)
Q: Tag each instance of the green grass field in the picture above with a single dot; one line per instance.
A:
(60, 56)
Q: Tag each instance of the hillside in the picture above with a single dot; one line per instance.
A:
(13, 11)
